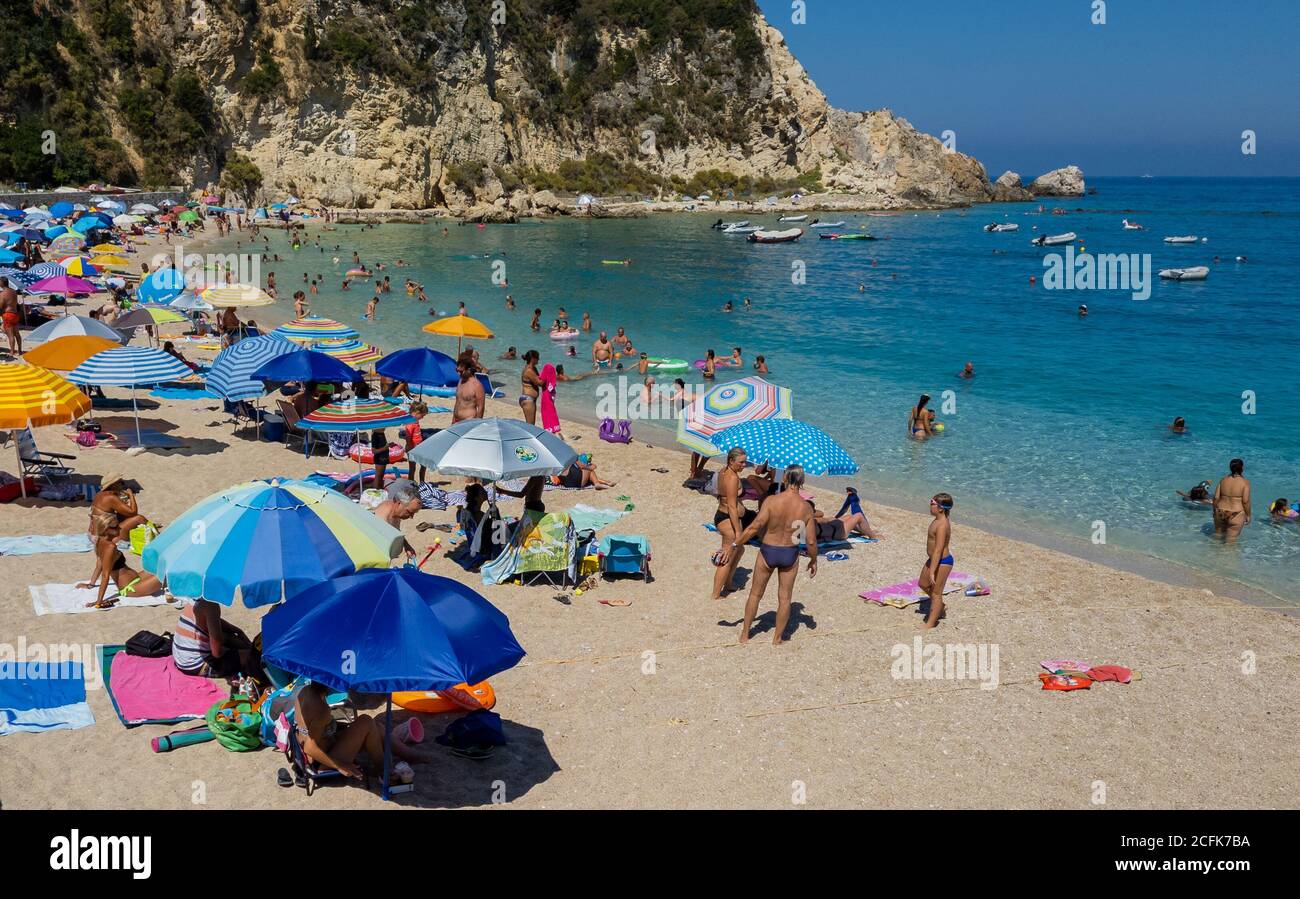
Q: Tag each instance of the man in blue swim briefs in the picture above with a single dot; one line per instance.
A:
(602, 352)
(938, 558)
(784, 520)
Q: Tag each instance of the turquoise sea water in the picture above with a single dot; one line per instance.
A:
(1064, 424)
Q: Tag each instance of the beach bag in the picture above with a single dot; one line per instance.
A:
(612, 431)
(277, 711)
(141, 535)
(235, 724)
(149, 645)
(86, 438)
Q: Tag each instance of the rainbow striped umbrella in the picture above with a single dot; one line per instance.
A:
(268, 541)
(313, 328)
(65, 243)
(352, 352)
(356, 415)
(727, 405)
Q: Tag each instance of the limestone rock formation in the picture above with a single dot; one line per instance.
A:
(1066, 182)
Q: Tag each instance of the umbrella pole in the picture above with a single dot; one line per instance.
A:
(388, 744)
(136, 409)
(22, 481)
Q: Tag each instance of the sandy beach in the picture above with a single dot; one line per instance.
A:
(656, 705)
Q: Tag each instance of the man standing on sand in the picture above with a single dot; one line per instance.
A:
(784, 520)
(469, 392)
(602, 351)
(9, 315)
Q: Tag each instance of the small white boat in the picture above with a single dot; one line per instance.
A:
(793, 218)
(1132, 226)
(1187, 238)
(1044, 240)
(720, 225)
(775, 236)
(741, 229)
(999, 227)
(826, 225)
(1196, 273)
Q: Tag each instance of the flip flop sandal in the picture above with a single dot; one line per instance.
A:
(563, 598)
(836, 557)
(425, 525)
(660, 470)
(474, 753)
(615, 602)
(284, 778)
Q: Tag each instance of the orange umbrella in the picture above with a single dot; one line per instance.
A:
(31, 396)
(66, 353)
(460, 327)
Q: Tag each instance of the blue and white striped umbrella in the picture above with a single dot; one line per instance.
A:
(231, 374)
(782, 442)
(129, 366)
(45, 270)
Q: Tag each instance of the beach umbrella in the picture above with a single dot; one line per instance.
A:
(19, 278)
(66, 353)
(67, 243)
(267, 540)
(79, 266)
(145, 209)
(104, 203)
(7, 256)
(110, 262)
(55, 231)
(237, 295)
(72, 325)
(141, 316)
(352, 352)
(231, 374)
(125, 220)
(461, 327)
(161, 286)
(420, 366)
(405, 630)
(129, 366)
(30, 234)
(32, 397)
(494, 449)
(312, 328)
(306, 366)
(63, 284)
(356, 415)
(729, 404)
(188, 302)
(60, 209)
(43, 270)
(90, 222)
(781, 443)
(189, 215)
(107, 248)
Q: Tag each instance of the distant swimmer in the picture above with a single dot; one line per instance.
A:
(1198, 494)
(760, 365)
(727, 306)
(1083, 310)
(747, 304)
(1232, 502)
(1282, 512)
(536, 323)
(968, 372)
(1179, 426)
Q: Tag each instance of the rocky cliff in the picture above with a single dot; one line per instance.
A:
(394, 104)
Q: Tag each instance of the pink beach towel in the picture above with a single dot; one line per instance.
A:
(909, 592)
(550, 419)
(149, 689)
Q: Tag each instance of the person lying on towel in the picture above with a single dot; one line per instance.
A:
(110, 562)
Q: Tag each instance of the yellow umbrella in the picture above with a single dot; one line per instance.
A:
(239, 295)
(32, 397)
(110, 260)
(107, 248)
(66, 353)
(460, 327)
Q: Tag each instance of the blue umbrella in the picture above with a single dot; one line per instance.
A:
(231, 374)
(18, 277)
(44, 270)
(380, 631)
(305, 366)
(419, 366)
(7, 256)
(54, 232)
(162, 286)
(30, 234)
(8, 238)
(59, 210)
(782, 442)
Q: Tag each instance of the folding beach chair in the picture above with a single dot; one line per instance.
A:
(548, 553)
(308, 437)
(623, 554)
(307, 773)
(37, 464)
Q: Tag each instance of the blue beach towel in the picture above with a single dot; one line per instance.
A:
(38, 696)
(181, 393)
(45, 543)
(589, 518)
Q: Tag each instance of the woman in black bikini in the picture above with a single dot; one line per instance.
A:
(531, 384)
(730, 519)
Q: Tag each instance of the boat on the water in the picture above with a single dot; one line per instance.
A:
(838, 236)
(793, 218)
(1001, 226)
(720, 225)
(1186, 238)
(1044, 240)
(786, 236)
(1196, 273)
(743, 229)
(826, 224)
(1132, 226)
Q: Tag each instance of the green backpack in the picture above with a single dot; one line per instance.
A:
(236, 724)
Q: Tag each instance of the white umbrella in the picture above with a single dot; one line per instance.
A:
(188, 302)
(69, 326)
(144, 208)
(495, 449)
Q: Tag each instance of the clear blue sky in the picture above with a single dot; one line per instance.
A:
(1165, 87)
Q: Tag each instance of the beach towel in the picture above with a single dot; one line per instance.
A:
(149, 437)
(550, 418)
(182, 393)
(45, 543)
(152, 691)
(1065, 665)
(69, 599)
(40, 696)
(589, 518)
(905, 594)
(822, 545)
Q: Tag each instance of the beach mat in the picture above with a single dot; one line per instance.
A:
(182, 393)
(69, 599)
(902, 595)
(149, 438)
(39, 696)
(151, 693)
(45, 543)
(822, 545)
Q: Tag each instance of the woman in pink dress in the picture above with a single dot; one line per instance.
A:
(550, 420)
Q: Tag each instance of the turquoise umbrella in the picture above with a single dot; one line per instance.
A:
(781, 443)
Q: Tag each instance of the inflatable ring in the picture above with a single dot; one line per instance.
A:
(458, 699)
(668, 365)
(571, 334)
(362, 453)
